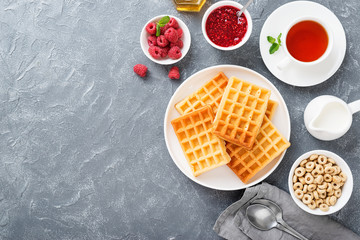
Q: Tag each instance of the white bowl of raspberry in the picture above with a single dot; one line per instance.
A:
(171, 45)
(223, 29)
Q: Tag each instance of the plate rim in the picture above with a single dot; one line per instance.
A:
(341, 54)
(243, 69)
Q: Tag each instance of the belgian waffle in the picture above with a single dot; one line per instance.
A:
(269, 144)
(203, 150)
(209, 94)
(271, 108)
(241, 112)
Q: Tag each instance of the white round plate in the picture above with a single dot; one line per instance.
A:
(222, 178)
(302, 76)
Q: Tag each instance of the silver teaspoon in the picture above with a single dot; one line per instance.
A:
(278, 215)
(264, 219)
(244, 8)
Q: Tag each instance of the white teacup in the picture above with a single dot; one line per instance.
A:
(289, 58)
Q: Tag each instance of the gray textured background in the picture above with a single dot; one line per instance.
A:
(82, 151)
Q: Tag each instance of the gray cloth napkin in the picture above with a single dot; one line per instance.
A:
(232, 223)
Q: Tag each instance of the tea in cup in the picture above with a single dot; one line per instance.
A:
(308, 41)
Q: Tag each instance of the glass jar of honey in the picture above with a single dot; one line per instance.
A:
(189, 5)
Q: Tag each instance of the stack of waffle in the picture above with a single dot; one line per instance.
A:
(241, 135)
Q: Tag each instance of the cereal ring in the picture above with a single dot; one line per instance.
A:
(331, 192)
(333, 200)
(303, 162)
(306, 199)
(320, 169)
(337, 193)
(337, 170)
(316, 194)
(327, 201)
(323, 186)
(322, 159)
(330, 160)
(319, 190)
(315, 173)
(343, 176)
(336, 179)
(309, 179)
(324, 207)
(311, 195)
(318, 202)
(329, 170)
(311, 187)
(328, 165)
(300, 171)
(312, 204)
(336, 185)
(310, 165)
(313, 157)
(329, 188)
(302, 180)
(298, 185)
(299, 194)
(294, 179)
(322, 195)
(319, 179)
(327, 177)
(305, 189)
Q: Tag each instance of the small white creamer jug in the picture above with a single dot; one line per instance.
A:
(328, 118)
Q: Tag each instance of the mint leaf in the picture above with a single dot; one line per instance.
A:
(274, 47)
(157, 30)
(270, 39)
(278, 39)
(163, 21)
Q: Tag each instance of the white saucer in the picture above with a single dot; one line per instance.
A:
(294, 74)
(222, 178)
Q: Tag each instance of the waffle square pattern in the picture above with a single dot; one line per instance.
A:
(203, 150)
(241, 112)
(271, 108)
(268, 145)
(209, 94)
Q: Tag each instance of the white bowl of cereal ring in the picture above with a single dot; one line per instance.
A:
(320, 182)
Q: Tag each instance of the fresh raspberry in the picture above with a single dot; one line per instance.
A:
(179, 43)
(173, 23)
(152, 41)
(155, 52)
(151, 28)
(163, 29)
(174, 73)
(175, 53)
(180, 32)
(162, 41)
(164, 51)
(140, 70)
(171, 35)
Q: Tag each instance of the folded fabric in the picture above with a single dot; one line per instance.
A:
(233, 224)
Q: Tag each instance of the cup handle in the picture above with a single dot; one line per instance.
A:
(354, 106)
(283, 63)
